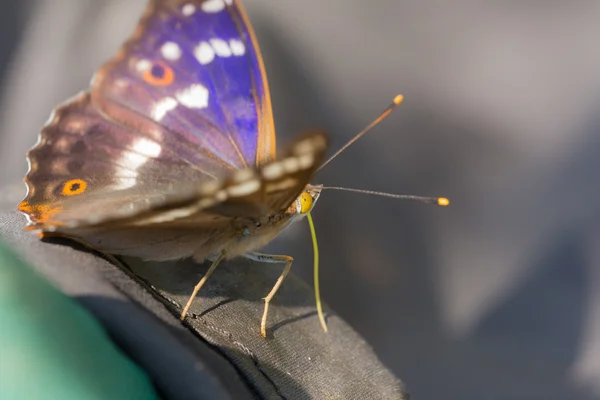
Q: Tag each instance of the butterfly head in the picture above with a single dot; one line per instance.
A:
(305, 201)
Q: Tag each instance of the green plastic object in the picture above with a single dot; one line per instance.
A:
(52, 348)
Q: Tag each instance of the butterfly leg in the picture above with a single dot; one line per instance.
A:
(270, 258)
(201, 283)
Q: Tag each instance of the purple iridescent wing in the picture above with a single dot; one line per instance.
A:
(83, 159)
(178, 123)
(192, 71)
(185, 102)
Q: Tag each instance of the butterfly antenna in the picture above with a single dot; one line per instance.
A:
(397, 100)
(440, 201)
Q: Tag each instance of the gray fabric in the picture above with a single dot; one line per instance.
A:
(297, 360)
(180, 366)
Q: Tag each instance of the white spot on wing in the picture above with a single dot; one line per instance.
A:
(147, 148)
(162, 107)
(237, 47)
(244, 189)
(171, 51)
(204, 53)
(143, 150)
(195, 96)
(168, 216)
(209, 188)
(273, 171)
(143, 65)
(213, 6)
(221, 47)
(188, 10)
(221, 195)
(291, 165)
(306, 161)
(306, 146)
(243, 175)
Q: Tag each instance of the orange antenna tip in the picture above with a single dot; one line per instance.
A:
(443, 202)
(398, 99)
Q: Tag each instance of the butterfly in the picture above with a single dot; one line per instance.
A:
(171, 151)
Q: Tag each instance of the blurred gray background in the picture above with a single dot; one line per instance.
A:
(495, 297)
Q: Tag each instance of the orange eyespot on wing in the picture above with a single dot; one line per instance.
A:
(74, 187)
(159, 74)
(306, 202)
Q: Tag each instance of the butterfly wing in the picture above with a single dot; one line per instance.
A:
(253, 194)
(193, 68)
(82, 156)
(212, 218)
(184, 102)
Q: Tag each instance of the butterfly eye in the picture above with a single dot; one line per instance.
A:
(306, 202)
(74, 187)
(159, 74)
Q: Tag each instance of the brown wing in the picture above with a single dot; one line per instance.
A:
(248, 193)
(83, 158)
(184, 102)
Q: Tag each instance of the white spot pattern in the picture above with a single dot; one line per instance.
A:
(188, 10)
(214, 6)
(147, 148)
(306, 161)
(221, 47)
(237, 47)
(143, 150)
(162, 107)
(243, 175)
(143, 65)
(290, 165)
(171, 51)
(244, 189)
(204, 53)
(273, 171)
(221, 195)
(195, 96)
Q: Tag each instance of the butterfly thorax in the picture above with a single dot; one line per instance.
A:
(250, 235)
